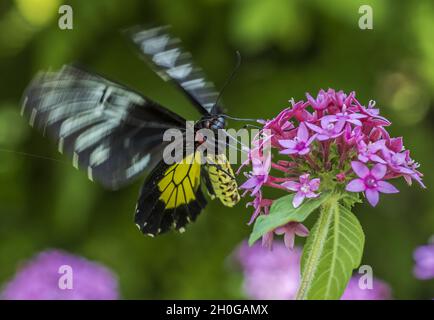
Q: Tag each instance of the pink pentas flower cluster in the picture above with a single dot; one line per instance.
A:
(328, 143)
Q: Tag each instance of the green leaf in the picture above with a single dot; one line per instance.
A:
(334, 248)
(282, 212)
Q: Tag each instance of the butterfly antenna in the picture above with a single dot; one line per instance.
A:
(251, 126)
(238, 119)
(230, 78)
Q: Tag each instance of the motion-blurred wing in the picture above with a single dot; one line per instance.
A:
(171, 197)
(171, 62)
(107, 129)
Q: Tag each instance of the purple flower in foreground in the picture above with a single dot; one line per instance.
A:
(305, 189)
(424, 258)
(379, 291)
(39, 278)
(269, 274)
(275, 274)
(370, 181)
(300, 144)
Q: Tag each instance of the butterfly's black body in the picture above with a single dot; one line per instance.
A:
(216, 122)
(116, 134)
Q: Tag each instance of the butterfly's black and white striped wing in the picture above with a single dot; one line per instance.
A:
(172, 63)
(110, 131)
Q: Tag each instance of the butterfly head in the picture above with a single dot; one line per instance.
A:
(214, 122)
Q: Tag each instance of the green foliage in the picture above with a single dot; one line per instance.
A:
(260, 23)
(282, 212)
(333, 249)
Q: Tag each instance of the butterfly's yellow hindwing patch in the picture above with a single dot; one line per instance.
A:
(223, 181)
(180, 182)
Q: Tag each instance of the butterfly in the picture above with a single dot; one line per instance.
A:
(116, 134)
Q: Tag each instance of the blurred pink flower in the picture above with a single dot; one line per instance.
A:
(269, 274)
(379, 291)
(38, 279)
(424, 258)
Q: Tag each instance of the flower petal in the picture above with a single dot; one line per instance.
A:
(419, 180)
(396, 144)
(314, 127)
(355, 122)
(288, 151)
(357, 116)
(280, 230)
(287, 143)
(291, 185)
(386, 187)
(257, 189)
(250, 183)
(325, 120)
(298, 199)
(376, 158)
(379, 171)
(322, 137)
(356, 185)
(311, 139)
(304, 178)
(311, 195)
(360, 169)
(302, 133)
(288, 239)
(304, 151)
(399, 158)
(301, 230)
(339, 126)
(377, 146)
(314, 184)
(363, 158)
(373, 196)
(267, 240)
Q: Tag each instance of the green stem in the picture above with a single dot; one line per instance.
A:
(318, 243)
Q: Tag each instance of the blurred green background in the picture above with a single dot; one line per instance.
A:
(288, 48)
